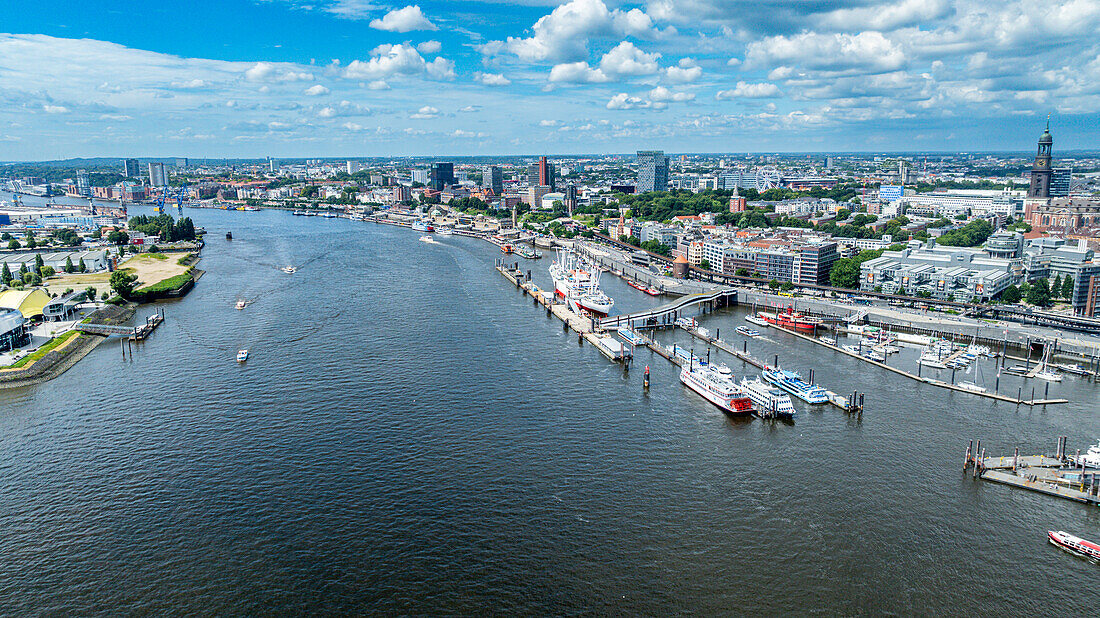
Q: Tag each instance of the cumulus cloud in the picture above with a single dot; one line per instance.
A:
(426, 112)
(687, 70)
(562, 36)
(396, 60)
(491, 79)
(316, 90)
(403, 20)
(429, 47)
(662, 94)
(866, 51)
(273, 72)
(626, 59)
(623, 101)
(745, 90)
(577, 73)
(55, 109)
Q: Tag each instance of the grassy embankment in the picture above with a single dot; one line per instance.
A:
(50, 345)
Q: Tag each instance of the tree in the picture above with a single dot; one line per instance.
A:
(118, 237)
(82, 267)
(1011, 294)
(122, 282)
(1067, 288)
(38, 263)
(46, 271)
(14, 244)
(31, 242)
(23, 270)
(774, 284)
(5, 275)
(787, 286)
(31, 279)
(90, 293)
(69, 264)
(845, 273)
(1039, 294)
(704, 264)
(742, 272)
(1056, 287)
(5, 236)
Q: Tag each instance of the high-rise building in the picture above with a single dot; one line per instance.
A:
(1060, 180)
(420, 176)
(570, 200)
(492, 178)
(652, 171)
(83, 185)
(903, 171)
(181, 162)
(157, 176)
(401, 193)
(828, 163)
(272, 165)
(1040, 173)
(131, 168)
(441, 175)
(542, 174)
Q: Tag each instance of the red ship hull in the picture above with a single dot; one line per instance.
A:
(791, 322)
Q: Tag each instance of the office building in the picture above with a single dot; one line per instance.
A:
(181, 162)
(353, 166)
(83, 185)
(420, 176)
(903, 172)
(947, 273)
(652, 171)
(1005, 245)
(157, 176)
(492, 178)
(1061, 179)
(542, 173)
(401, 193)
(272, 165)
(1086, 290)
(441, 175)
(131, 168)
(570, 198)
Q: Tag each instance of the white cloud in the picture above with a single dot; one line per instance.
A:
(316, 90)
(626, 59)
(426, 112)
(55, 109)
(886, 17)
(624, 101)
(275, 72)
(352, 126)
(548, 123)
(687, 70)
(745, 90)
(470, 108)
(866, 51)
(404, 20)
(459, 133)
(191, 83)
(492, 79)
(662, 94)
(577, 73)
(429, 47)
(562, 36)
(378, 84)
(400, 59)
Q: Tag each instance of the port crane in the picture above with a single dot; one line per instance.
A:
(179, 194)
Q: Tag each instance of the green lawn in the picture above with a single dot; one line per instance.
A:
(40, 352)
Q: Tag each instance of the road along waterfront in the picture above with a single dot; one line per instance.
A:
(411, 435)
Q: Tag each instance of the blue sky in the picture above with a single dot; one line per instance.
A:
(370, 78)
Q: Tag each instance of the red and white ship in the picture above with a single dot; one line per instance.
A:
(1074, 545)
(638, 286)
(579, 284)
(791, 320)
(716, 385)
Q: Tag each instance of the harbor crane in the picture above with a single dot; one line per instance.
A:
(179, 194)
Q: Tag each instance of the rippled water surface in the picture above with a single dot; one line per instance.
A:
(412, 435)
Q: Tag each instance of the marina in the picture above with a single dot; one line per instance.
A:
(1073, 477)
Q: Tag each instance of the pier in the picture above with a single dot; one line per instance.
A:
(587, 328)
(666, 315)
(1059, 475)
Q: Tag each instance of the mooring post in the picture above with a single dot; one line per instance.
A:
(966, 460)
(977, 449)
(1046, 391)
(1015, 458)
(645, 378)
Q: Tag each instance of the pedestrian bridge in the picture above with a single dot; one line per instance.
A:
(667, 314)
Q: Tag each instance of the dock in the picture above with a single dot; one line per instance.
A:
(1059, 475)
(138, 332)
(939, 383)
(587, 328)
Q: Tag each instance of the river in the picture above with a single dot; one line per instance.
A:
(411, 435)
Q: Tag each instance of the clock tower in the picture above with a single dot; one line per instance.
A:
(1040, 173)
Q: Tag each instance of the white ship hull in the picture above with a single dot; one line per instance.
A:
(733, 401)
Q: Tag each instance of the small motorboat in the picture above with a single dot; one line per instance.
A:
(290, 270)
(427, 238)
(1075, 545)
(1074, 369)
(242, 356)
(746, 331)
(241, 304)
(229, 235)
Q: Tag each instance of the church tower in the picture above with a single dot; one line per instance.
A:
(1040, 173)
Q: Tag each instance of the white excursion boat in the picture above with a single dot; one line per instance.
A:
(578, 284)
(242, 356)
(687, 323)
(1074, 545)
(1091, 458)
(768, 401)
(752, 319)
(828, 340)
(746, 331)
(875, 354)
(444, 231)
(716, 385)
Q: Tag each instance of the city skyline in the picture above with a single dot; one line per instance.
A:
(353, 78)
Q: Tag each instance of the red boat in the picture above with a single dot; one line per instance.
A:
(638, 286)
(1075, 545)
(506, 249)
(791, 320)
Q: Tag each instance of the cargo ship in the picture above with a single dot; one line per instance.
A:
(791, 320)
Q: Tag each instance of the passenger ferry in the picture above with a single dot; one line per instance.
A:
(795, 385)
(752, 319)
(422, 226)
(716, 385)
(631, 337)
(1075, 545)
(1091, 458)
(769, 401)
(746, 331)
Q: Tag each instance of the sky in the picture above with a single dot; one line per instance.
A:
(359, 78)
